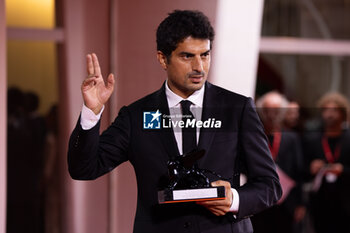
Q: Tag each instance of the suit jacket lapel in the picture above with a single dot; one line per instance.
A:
(210, 110)
(166, 134)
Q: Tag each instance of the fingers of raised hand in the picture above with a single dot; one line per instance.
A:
(89, 65)
(89, 81)
(110, 81)
(96, 65)
(93, 66)
(95, 79)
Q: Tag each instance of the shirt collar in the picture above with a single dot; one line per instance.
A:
(173, 99)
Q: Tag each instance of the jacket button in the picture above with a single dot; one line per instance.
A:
(187, 225)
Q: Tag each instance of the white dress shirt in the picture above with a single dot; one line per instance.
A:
(88, 120)
(175, 111)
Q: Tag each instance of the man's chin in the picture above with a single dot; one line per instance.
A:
(196, 86)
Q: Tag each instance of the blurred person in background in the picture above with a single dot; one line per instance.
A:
(25, 142)
(328, 158)
(287, 153)
(35, 125)
(291, 119)
(52, 173)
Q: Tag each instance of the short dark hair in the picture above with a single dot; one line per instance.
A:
(179, 25)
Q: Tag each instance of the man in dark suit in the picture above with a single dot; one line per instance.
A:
(233, 136)
(285, 147)
(327, 153)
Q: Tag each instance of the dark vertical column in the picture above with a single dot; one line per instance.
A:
(3, 113)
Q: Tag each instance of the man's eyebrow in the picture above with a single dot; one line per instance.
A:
(191, 54)
(206, 52)
(186, 54)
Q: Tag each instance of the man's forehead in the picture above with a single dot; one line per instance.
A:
(194, 45)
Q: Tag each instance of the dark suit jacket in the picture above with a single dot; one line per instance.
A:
(339, 191)
(331, 197)
(290, 160)
(241, 137)
(280, 218)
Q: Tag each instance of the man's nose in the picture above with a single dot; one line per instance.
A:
(197, 64)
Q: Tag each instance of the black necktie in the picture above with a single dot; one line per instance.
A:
(189, 142)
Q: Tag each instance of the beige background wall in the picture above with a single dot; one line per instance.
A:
(86, 30)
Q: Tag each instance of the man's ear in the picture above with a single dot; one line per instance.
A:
(162, 59)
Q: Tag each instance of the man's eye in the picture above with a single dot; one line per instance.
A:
(187, 56)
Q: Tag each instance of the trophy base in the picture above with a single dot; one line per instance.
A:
(190, 195)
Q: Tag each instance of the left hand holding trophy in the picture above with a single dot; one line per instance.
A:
(186, 182)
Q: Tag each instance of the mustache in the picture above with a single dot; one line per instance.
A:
(196, 73)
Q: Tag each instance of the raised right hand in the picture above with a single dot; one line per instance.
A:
(95, 92)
